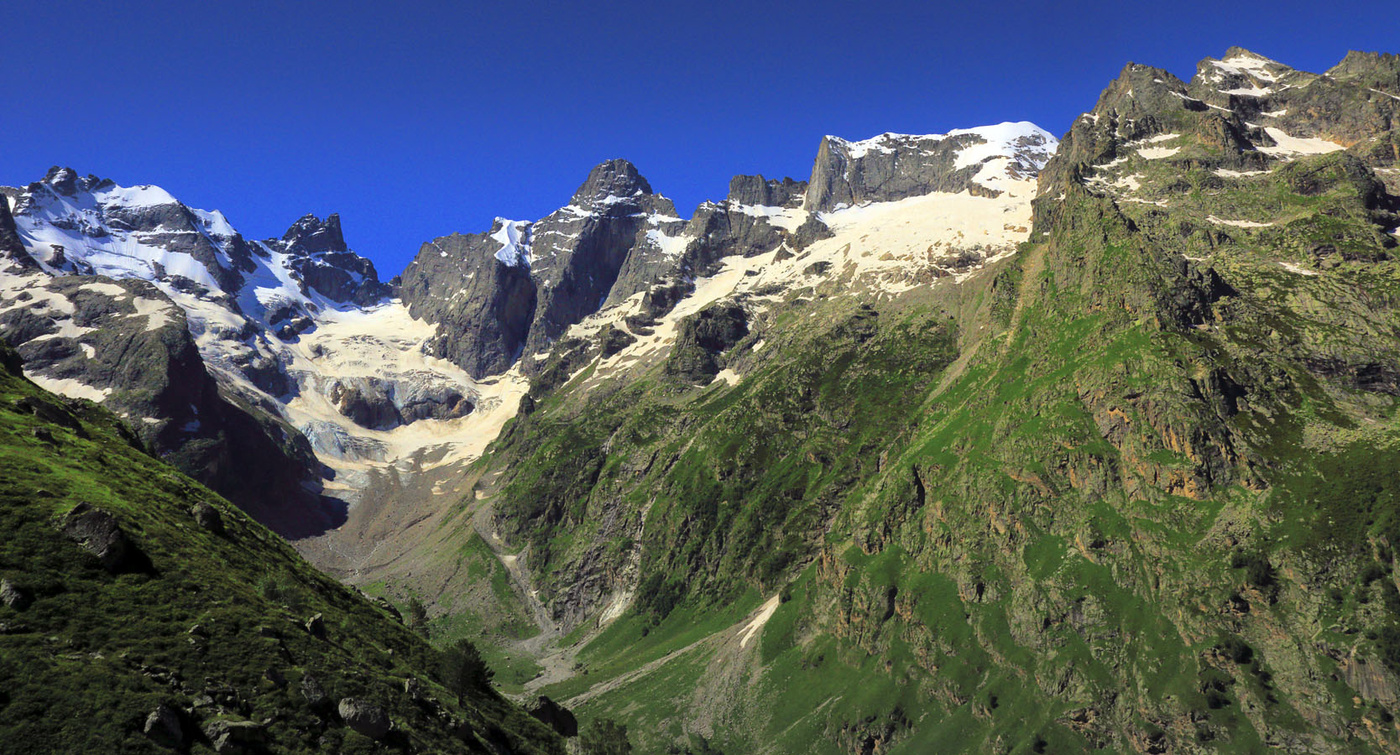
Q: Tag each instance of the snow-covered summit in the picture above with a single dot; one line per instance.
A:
(85, 225)
(1244, 74)
(1019, 139)
(1022, 141)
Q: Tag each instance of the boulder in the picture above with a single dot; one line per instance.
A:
(165, 728)
(365, 717)
(316, 626)
(613, 340)
(462, 730)
(14, 596)
(554, 715)
(98, 533)
(208, 517)
(235, 737)
(389, 609)
(312, 690)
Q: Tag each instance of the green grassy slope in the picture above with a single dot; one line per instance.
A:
(211, 624)
(1131, 491)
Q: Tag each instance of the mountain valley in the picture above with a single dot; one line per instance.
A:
(983, 441)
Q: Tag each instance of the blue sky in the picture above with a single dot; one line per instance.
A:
(415, 119)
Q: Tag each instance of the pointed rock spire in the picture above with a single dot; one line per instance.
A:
(612, 178)
(312, 235)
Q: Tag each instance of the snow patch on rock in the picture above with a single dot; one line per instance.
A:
(514, 238)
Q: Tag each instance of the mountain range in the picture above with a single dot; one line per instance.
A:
(983, 441)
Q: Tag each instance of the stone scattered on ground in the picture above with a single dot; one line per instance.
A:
(365, 717)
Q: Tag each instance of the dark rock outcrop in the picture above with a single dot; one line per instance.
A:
(98, 532)
(316, 627)
(761, 192)
(365, 717)
(10, 360)
(236, 737)
(702, 340)
(554, 715)
(165, 727)
(208, 517)
(383, 405)
(323, 262)
(483, 305)
(612, 340)
(14, 596)
(12, 249)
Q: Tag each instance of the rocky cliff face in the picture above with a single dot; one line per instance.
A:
(509, 293)
(12, 251)
(580, 250)
(317, 254)
(890, 167)
(478, 290)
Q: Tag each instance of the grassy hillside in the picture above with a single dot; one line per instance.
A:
(1131, 490)
(207, 618)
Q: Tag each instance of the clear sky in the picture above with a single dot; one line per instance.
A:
(417, 119)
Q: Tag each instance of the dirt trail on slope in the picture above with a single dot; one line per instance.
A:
(1030, 273)
(728, 644)
(556, 661)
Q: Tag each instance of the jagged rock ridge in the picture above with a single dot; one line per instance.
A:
(501, 299)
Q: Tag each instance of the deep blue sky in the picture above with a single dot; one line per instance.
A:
(416, 119)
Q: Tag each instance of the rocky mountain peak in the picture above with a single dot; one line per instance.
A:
(67, 182)
(1235, 52)
(312, 235)
(1135, 91)
(609, 181)
(1240, 72)
(62, 180)
(323, 261)
(1372, 69)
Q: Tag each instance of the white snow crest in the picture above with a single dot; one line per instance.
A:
(1020, 139)
(1245, 65)
(77, 226)
(514, 238)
